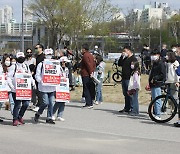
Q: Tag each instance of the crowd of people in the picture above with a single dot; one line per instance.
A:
(161, 66)
(51, 90)
(49, 75)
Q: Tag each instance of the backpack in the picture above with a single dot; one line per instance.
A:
(16, 69)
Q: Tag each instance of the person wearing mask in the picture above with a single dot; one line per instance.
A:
(39, 58)
(47, 91)
(88, 66)
(157, 77)
(125, 61)
(19, 67)
(60, 106)
(30, 61)
(6, 63)
(164, 51)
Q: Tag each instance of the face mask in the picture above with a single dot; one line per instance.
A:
(29, 55)
(20, 60)
(7, 63)
(132, 67)
(13, 63)
(48, 56)
(36, 51)
(154, 58)
(125, 54)
(174, 49)
(167, 57)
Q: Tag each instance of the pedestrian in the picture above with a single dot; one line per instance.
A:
(157, 77)
(47, 91)
(134, 87)
(164, 51)
(177, 124)
(19, 67)
(125, 61)
(171, 77)
(39, 48)
(60, 106)
(6, 63)
(99, 75)
(87, 69)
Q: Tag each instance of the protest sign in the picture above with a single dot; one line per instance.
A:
(3, 89)
(62, 90)
(51, 72)
(23, 86)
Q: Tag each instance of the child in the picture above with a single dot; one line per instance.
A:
(134, 87)
(99, 74)
(61, 105)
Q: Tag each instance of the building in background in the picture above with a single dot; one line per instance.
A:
(6, 14)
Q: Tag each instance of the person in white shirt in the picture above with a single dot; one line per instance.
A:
(171, 77)
(47, 91)
(19, 67)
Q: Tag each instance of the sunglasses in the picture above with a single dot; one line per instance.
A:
(28, 52)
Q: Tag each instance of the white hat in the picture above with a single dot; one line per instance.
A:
(96, 47)
(20, 54)
(48, 51)
(64, 59)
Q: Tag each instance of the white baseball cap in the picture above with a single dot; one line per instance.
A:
(48, 51)
(64, 59)
(20, 54)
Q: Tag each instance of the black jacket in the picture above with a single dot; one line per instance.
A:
(158, 74)
(126, 66)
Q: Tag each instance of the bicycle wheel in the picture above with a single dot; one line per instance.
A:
(168, 109)
(117, 77)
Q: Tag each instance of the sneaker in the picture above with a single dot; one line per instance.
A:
(176, 124)
(53, 118)
(90, 107)
(157, 118)
(1, 120)
(36, 118)
(35, 109)
(123, 110)
(15, 122)
(60, 119)
(85, 106)
(21, 121)
(96, 102)
(50, 121)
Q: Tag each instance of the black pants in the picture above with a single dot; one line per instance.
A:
(89, 90)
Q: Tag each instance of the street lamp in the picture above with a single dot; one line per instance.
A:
(22, 29)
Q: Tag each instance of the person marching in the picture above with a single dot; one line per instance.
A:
(47, 91)
(60, 105)
(19, 67)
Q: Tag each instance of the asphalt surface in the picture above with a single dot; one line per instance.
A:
(101, 130)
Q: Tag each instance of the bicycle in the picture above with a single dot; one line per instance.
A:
(168, 109)
(117, 75)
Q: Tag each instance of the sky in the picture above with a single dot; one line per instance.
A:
(125, 5)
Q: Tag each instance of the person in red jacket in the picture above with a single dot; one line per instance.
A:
(88, 66)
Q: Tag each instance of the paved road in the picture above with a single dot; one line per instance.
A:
(101, 130)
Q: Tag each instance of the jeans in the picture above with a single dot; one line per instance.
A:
(89, 90)
(135, 102)
(48, 99)
(154, 93)
(99, 91)
(11, 101)
(128, 99)
(18, 111)
(60, 107)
